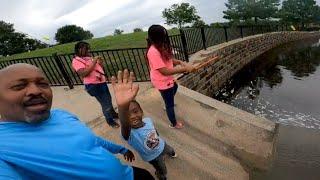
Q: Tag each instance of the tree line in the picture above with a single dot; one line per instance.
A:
(12, 42)
(301, 13)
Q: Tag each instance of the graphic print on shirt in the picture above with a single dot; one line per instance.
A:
(152, 140)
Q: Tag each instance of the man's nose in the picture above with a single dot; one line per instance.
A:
(33, 89)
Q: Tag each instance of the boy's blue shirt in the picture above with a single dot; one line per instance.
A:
(146, 141)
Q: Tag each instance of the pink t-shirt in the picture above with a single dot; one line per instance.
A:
(94, 77)
(156, 62)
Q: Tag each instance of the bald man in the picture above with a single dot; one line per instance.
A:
(39, 143)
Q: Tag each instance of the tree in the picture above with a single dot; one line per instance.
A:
(317, 15)
(117, 32)
(199, 23)
(12, 42)
(263, 9)
(137, 30)
(216, 25)
(236, 10)
(72, 33)
(299, 11)
(180, 14)
(239, 11)
(33, 44)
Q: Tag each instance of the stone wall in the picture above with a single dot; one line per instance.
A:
(233, 56)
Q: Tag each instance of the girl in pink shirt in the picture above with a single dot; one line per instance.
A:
(90, 69)
(161, 63)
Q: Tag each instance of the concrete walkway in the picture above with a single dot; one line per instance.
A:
(79, 102)
(218, 141)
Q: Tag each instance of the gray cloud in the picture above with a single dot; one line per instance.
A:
(38, 18)
(136, 14)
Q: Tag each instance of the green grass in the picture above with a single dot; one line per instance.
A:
(131, 40)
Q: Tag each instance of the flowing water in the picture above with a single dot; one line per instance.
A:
(282, 85)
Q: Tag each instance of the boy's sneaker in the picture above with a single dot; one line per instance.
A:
(174, 155)
(114, 125)
(179, 125)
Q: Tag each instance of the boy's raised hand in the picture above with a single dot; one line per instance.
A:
(124, 89)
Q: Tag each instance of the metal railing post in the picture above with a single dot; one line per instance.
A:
(241, 31)
(63, 71)
(184, 45)
(225, 33)
(203, 36)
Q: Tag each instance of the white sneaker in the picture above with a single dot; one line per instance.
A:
(175, 155)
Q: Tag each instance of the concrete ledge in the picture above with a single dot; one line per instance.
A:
(244, 116)
(250, 138)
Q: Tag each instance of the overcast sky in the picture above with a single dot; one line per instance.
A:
(40, 18)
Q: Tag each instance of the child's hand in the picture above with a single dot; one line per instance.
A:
(124, 89)
(129, 156)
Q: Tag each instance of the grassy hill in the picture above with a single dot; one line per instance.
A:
(130, 40)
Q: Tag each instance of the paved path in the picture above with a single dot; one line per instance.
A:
(79, 102)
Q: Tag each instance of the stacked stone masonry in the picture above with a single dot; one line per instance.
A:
(233, 56)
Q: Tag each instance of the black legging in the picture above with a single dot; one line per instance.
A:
(141, 174)
(168, 97)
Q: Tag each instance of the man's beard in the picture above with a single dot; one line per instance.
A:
(36, 118)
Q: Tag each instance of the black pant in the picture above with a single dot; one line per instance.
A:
(141, 174)
(159, 162)
(102, 94)
(168, 97)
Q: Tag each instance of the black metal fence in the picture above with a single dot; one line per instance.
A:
(59, 72)
(201, 38)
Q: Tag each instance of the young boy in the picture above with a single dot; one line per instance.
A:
(138, 131)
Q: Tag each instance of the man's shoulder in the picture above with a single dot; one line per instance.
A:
(60, 113)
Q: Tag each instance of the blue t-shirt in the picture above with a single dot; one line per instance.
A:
(146, 141)
(60, 147)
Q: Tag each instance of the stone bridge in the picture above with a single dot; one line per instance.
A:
(233, 56)
(219, 141)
